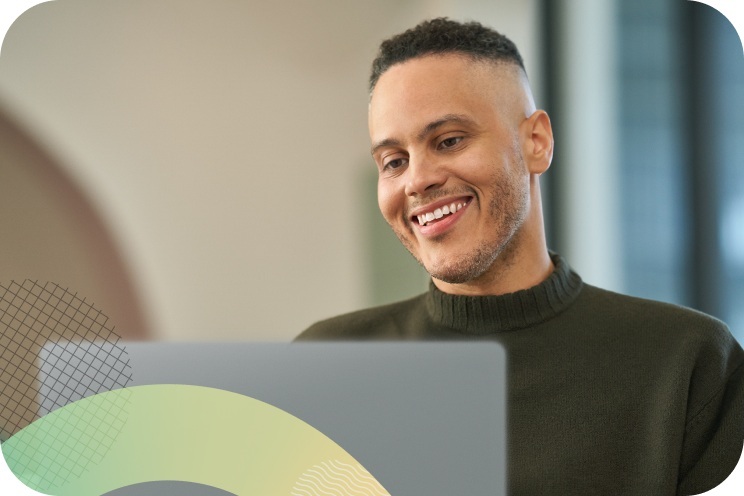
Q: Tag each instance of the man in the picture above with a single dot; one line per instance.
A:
(608, 394)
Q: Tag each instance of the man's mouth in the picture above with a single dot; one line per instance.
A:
(439, 213)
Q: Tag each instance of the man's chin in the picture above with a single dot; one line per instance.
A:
(465, 267)
(456, 274)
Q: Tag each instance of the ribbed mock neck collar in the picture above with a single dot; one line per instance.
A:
(509, 312)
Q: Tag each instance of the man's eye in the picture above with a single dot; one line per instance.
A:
(394, 164)
(450, 142)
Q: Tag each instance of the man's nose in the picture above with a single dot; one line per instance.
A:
(424, 174)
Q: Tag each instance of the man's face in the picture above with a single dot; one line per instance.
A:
(452, 182)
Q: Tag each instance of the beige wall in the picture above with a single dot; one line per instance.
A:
(223, 143)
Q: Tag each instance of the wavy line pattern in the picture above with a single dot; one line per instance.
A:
(336, 478)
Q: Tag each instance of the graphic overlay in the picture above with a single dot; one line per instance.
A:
(71, 427)
(55, 349)
(337, 477)
(194, 434)
(168, 488)
(10, 10)
(36, 322)
(733, 10)
(9, 484)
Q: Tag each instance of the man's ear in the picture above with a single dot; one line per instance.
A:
(537, 142)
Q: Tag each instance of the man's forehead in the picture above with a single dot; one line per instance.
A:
(437, 83)
(423, 88)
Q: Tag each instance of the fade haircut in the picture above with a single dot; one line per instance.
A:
(441, 36)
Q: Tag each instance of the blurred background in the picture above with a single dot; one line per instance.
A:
(199, 169)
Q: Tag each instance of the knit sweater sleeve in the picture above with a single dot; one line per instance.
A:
(714, 433)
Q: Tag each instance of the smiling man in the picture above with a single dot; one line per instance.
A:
(459, 147)
(608, 394)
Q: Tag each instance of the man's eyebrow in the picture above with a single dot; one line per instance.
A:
(429, 128)
(432, 126)
(384, 143)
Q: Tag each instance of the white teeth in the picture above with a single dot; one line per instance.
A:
(423, 219)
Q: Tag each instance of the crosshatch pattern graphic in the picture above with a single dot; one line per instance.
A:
(55, 349)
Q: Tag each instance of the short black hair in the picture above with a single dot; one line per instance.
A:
(440, 36)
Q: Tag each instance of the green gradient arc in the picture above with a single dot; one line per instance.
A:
(182, 433)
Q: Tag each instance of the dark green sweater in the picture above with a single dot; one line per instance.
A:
(608, 394)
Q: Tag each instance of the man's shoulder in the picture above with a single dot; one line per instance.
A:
(645, 314)
(381, 322)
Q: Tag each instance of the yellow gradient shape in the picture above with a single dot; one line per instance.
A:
(193, 434)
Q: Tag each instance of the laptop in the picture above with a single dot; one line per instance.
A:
(422, 418)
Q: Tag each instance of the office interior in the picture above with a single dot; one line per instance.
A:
(200, 170)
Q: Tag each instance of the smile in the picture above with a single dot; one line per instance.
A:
(436, 214)
(429, 216)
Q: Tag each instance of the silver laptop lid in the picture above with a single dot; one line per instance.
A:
(422, 418)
